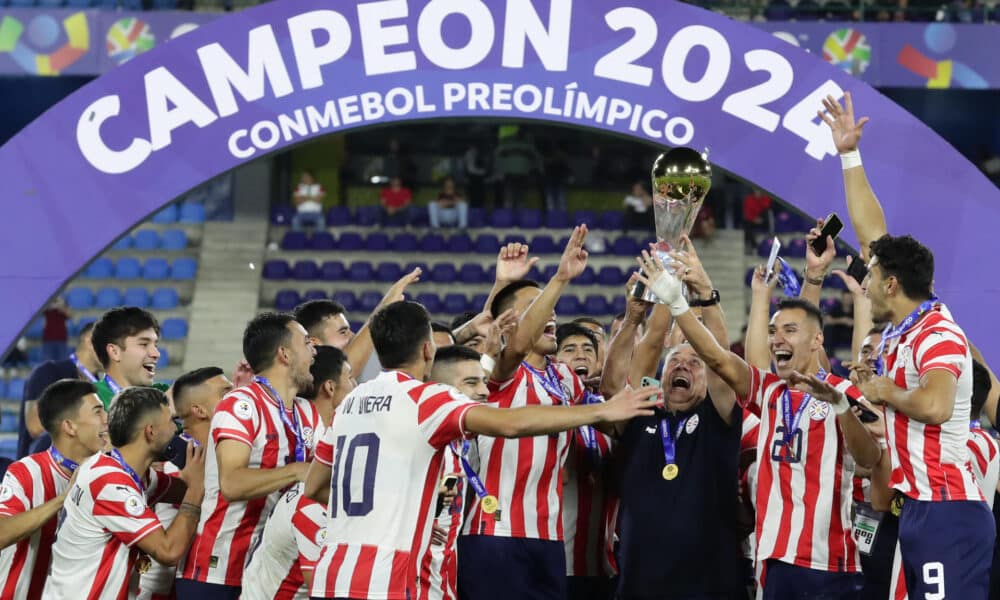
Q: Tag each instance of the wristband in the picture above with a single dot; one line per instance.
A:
(849, 160)
(884, 445)
(487, 363)
(841, 406)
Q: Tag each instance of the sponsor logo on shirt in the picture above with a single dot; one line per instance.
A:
(134, 504)
(243, 409)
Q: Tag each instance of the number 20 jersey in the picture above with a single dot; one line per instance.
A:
(386, 451)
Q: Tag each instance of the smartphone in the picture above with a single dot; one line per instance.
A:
(450, 481)
(832, 226)
(857, 269)
(867, 416)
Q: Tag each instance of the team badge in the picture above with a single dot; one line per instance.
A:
(818, 410)
(691, 424)
(321, 537)
(243, 409)
(307, 435)
(134, 504)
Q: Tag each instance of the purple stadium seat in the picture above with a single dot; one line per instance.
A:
(588, 277)
(351, 242)
(305, 270)
(596, 305)
(404, 242)
(282, 215)
(502, 218)
(294, 240)
(478, 302)
(543, 244)
(377, 242)
(388, 272)
(748, 278)
(625, 246)
(514, 238)
(557, 219)
(585, 216)
(534, 273)
(472, 273)
(332, 270)
(419, 216)
(338, 216)
(491, 273)
(455, 303)
(487, 243)
(569, 305)
(460, 243)
(346, 298)
(314, 294)
(549, 272)
(277, 269)
(368, 301)
(611, 220)
(322, 240)
(796, 248)
(286, 300)
(529, 218)
(361, 271)
(834, 282)
(432, 242)
(477, 217)
(368, 215)
(610, 275)
(828, 305)
(424, 269)
(764, 248)
(430, 301)
(443, 273)
(618, 304)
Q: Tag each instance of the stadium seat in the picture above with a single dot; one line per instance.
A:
(834, 282)
(529, 218)
(557, 219)
(477, 217)
(377, 242)
(361, 271)
(332, 270)
(419, 217)
(828, 305)
(146, 240)
(286, 300)
(569, 305)
(368, 301)
(796, 248)
(595, 305)
(164, 360)
(101, 268)
(136, 296)
(535, 274)
(8, 421)
(502, 218)
(424, 269)
(367, 216)
(543, 244)
(388, 272)
(128, 268)
(305, 270)
(514, 238)
(35, 330)
(610, 275)
(472, 273)
(174, 239)
(155, 269)
(778, 10)
(478, 302)
(430, 301)
(314, 294)
(79, 298)
(36, 356)
(123, 243)
(321, 240)
(107, 298)
(173, 329)
(611, 220)
(487, 243)
(460, 243)
(455, 303)
(404, 242)
(184, 268)
(15, 388)
(588, 277)
(76, 326)
(338, 216)
(618, 304)
(582, 217)
(787, 222)
(167, 216)
(282, 215)
(625, 246)
(294, 240)
(346, 298)
(350, 242)
(748, 278)
(549, 272)
(432, 242)
(192, 213)
(277, 269)
(165, 299)
(443, 273)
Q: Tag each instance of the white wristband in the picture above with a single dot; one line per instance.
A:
(884, 445)
(487, 363)
(841, 406)
(849, 160)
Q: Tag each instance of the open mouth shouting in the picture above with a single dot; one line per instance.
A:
(782, 358)
(550, 331)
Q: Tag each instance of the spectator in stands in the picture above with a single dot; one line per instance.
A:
(308, 200)
(516, 163)
(396, 200)
(757, 216)
(637, 205)
(17, 357)
(476, 169)
(55, 335)
(704, 224)
(450, 209)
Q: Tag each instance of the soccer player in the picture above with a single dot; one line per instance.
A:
(924, 383)
(260, 444)
(124, 341)
(35, 487)
(109, 528)
(381, 462)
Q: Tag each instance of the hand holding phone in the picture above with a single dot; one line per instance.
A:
(832, 226)
(857, 269)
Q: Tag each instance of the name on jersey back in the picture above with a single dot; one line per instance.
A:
(367, 404)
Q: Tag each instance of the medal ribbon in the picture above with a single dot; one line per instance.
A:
(115, 454)
(788, 279)
(587, 432)
(549, 379)
(61, 460)
(115, 388)
(292, 423)
(470, 473)
(670, 442)
(188, 438)
(891, 332)
(974, 424)
(82, 369)
(790, 422)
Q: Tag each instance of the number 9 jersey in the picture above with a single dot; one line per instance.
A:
(386, 453)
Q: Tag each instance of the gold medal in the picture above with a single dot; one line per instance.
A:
(896, 507)
(143, 563)
(670, 472)
(489, 504)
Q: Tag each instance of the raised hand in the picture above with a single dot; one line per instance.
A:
(877, 427)
(853, 285)
(627, 404)
(689, 268)
(657, 279)
(513, 263)
(498, 329)
(574, 257)
(760, 284)
(635, 308)
(193, 473)
(846, 131)
(818, 265)
(395, 293)
(819, 389)
(242, 374)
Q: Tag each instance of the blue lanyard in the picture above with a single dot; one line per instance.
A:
(470, 473)
(788, 280)
(188, 438)
(891, 332)
(670, 442)
(82, 369)
(115, 454)
(293, 423)
(550, 380)
(587, 432)
(115, 388)
(975, 424)
(790, 422)
(61, 460)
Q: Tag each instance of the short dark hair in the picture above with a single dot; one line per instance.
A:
(568, 330)
(264, 334)
(810, 309)
(329, 364)
(193, 379)
(454, 354)
(981, 387)
(86, 328)
(591, 321)
(909, 261)
(876, 329)
(438, 327)
(130, 407)
(398, 331)
(505, 297)
(116, 325)
(310, 314)
(462, 319)
(60, 400)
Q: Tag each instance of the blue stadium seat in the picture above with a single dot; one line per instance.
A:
(50, 3)
(165, 299)
(124, 243)
(419, 216)
(502, 218)
(424, 269)
(388, 272)
(377, 242)
(543, 244)
(430, 301)
(36, 356)
(322, 240)
(535, 274)
(748, 278)
(478, 302)
(22, 3)
(828, 305)
(75, 327)
(79, 298)
(15, 388)
(625, 246)
(587, 217)
(332, 270)
(514, 238)
(569, 305)
(155, 269)
(294, 240)
(101, 268)
(184, 268)
(618, 304)
(346, 298)
(35, 330)
(305, 270)
(834, 282)
(277, 269)
(477, 217)
(595, 305)
(472, 273)
(338, 216)
(610, 275)
(588, 277)
(282, 214)
(557, 219)
(460, 243)
(432, 242)
(786, 222)
(174, 239)
(443, 273)
(455, 303)
(192, 213)
(487, 243)
(529, 218)
(146, 240)
(611, 220)
(3, 388)
(351, 242)
(128, 268)
(361, 271)
(367, 216)
(314, 295)
(764, 247)
(8, 421)
(136, 296)
(164, 359)
(404, 242)
(173, 329)
(796, 248)
(549, 272)
(107, 298)
(369, 300)
(167, 216)
(286, 300)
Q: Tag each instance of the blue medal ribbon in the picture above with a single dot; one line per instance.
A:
(470, 473)
(670, 441)
(61, 460)
(188, 438)
(292, 423)
(115, 454)
(550, 380)
(587, 432)
(82, 369)
(115, 388)
(891, 332)
(788, 279)
(975, 424)
(790, 422)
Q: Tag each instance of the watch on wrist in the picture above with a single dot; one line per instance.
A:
(712, 300)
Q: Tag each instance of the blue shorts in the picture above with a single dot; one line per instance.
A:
(199, 590)
(946, 549)
(783, 581)
(501, 568)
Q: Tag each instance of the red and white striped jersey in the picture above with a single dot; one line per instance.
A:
(804, 505)
(390, 438)
(29, 483)
(985, 454)
(250, 416)
(290, 543)
(931, 462)
(158, 582)
(525, 474)
(439, 566)
(587, 489)
(106, 515)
